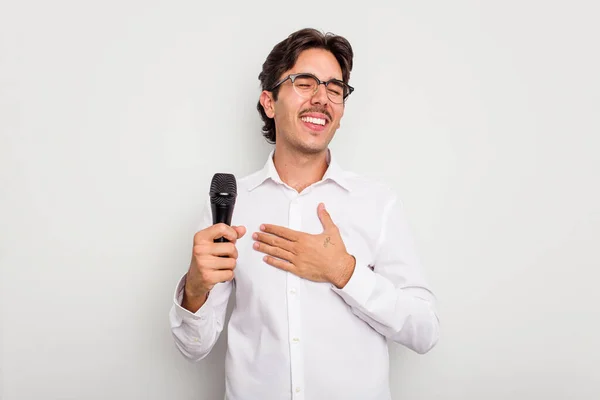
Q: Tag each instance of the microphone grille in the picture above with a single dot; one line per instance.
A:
(223, 189)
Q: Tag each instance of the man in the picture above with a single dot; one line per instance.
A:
(321, 260)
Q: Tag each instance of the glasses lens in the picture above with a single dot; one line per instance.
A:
(336, 91)
(305, 85)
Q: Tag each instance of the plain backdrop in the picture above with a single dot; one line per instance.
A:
(114, 116)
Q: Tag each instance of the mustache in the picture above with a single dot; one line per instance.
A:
(317, 110)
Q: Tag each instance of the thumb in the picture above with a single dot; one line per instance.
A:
(325, 217)
(241, 231)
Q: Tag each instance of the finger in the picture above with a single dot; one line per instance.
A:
(223, 263)
(216, 231)
(224, 249)
(275, 241)
(281, 264)
(215, 249)
(281, 231)
(222, 276)
(325, 217)
(273, 251)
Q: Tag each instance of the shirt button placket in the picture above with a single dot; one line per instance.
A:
(294, 311)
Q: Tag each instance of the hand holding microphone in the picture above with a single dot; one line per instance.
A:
(214, 253)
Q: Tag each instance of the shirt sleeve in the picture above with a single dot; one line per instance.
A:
(393, 296)
(195, 334)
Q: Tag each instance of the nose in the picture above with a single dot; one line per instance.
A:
(320, 97)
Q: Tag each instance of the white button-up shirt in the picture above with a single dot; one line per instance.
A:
(291, 338)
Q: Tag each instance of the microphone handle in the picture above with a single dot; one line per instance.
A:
(221, 214)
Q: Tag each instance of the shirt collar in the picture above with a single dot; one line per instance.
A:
(334, 173)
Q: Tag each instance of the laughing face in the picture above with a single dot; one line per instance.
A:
(306, 123)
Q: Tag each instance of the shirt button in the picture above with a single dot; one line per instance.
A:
(292, 291)
(297, 390)
(296, 340)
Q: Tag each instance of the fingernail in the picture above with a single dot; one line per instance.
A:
(255, 245)
(262, 227)
(254, 236)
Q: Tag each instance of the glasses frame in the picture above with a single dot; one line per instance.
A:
(292, 77)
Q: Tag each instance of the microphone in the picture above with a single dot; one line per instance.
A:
(223, 192)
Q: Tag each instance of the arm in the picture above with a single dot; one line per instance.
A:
(198, 311)
(196, 333)
(393, 297)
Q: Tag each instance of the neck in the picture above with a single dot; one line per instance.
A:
(299, 170)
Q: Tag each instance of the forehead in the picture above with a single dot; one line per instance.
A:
(319, 62)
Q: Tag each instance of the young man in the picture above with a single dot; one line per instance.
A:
(321, 260)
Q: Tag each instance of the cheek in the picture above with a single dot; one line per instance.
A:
(288, 111)
(337, 119)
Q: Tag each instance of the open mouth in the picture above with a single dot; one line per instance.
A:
(314, 123)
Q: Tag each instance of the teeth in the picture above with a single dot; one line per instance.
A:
(317, 121)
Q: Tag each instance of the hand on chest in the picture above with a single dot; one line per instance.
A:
(302, 238)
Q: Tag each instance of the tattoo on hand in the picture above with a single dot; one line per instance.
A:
(327, 241)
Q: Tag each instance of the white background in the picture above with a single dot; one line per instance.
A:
(114, 116)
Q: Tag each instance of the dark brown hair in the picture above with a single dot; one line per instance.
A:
(284, 56)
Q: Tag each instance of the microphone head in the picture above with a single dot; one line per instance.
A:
(223, 189)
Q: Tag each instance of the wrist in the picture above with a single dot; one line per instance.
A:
(193, 302)
(346, 271)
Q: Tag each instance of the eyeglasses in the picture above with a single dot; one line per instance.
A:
(307, 85)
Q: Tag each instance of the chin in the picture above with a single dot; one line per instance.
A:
(307, 141)
(311, 147)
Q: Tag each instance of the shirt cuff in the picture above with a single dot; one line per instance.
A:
(187, 315)
(360, 286)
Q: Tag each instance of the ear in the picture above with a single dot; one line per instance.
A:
(266, 100)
